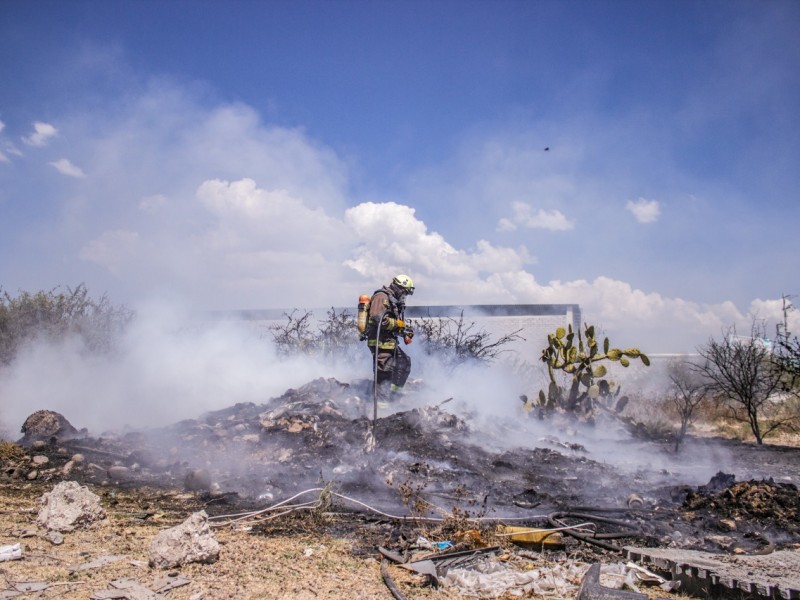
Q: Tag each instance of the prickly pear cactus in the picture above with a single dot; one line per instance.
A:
(577, 357)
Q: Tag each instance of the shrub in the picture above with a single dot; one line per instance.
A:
(457, 342)
(335, 337)
(53, 315)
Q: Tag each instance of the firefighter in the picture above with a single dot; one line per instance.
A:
(392, 365)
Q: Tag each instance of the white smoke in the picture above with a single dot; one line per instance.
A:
(168, 366)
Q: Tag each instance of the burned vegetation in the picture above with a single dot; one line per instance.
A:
(426, 472)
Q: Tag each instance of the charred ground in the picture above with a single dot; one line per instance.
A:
(429, 462)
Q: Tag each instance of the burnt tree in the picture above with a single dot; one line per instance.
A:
(745, 375)
(688, 391)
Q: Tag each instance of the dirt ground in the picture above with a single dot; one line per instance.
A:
(426, 458)
(305, 557)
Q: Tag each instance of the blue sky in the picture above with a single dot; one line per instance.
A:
(277, 154)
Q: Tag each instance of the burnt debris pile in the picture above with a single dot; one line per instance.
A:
(319, 435)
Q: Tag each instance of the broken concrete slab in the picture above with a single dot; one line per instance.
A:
(775, 575)
(97, 563)
(191, 541)
(127, 589)
(69, 506)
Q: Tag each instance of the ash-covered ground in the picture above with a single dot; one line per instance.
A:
(713, 495)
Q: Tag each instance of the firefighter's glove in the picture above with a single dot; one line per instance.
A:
(399, 324)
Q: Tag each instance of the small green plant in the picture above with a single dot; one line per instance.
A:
(576, 356)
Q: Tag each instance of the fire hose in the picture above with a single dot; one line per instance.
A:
(598, 539)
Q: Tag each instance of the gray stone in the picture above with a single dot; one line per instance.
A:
(69, 506)
(191, 541)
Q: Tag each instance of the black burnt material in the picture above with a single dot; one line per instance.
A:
(317, 435)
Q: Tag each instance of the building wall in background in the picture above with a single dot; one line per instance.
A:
(534, 321)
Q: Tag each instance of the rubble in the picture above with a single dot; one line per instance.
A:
(191, 541)
(69, 506)
(428, 462)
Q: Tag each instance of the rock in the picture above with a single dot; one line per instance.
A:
(67, 468)
(44, 424)
(55, 537)
(39, 444)
(69, 506)
(40, 459)
(197, 480)
(33, 474)
(191, 541)
(119, 473)
(78, 458)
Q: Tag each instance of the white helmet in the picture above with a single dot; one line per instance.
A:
(404, 283)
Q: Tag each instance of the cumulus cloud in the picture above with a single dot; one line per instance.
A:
(525, 216)
(210, 203)
(65, 167)
(645, 211)
(393, 239)
(42, 133)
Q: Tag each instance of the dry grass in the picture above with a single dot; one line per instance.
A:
(251, 565)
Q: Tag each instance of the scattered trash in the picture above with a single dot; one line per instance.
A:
(634, 501)
(12, 552)
(591, 589)
(532, 537)
(493, 579)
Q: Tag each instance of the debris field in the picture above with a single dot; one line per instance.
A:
(425, 468)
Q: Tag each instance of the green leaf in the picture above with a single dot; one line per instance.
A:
(632, 352)
(624, 361)
(605, 346)
(645, 360)
(599, 371)
(560, 333)
(594, 391)
(614, 353)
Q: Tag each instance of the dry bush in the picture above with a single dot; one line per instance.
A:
(334, 337)
(10, 450)
(457, 341)
(55, 315)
